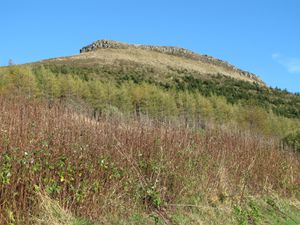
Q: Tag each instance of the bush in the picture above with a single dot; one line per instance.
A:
(293, 140)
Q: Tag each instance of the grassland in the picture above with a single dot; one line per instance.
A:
(159, 62)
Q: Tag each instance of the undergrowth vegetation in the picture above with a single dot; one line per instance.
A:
(293, 140)
(120, 170)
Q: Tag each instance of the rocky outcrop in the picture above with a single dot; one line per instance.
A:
(182, 52)
(101, 44)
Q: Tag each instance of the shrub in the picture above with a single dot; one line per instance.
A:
(293, 140)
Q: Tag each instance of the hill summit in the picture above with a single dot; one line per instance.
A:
(202, 63)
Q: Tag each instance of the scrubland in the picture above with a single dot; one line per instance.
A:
(60, 167)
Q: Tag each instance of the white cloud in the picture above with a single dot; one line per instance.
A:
(291, 64)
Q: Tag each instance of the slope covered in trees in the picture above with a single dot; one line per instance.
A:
(193, 100)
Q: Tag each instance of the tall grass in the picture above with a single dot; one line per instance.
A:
(114, 167)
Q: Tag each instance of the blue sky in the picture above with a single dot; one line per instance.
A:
(261, 36)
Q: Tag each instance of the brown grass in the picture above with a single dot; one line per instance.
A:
(51, 213)
(97, 169)
(160, 62)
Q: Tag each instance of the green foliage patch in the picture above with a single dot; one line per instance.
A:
(293, 140)
(136, 91)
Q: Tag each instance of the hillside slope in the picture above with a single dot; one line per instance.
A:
(141, 78)
(56, 165)
(126, 134)
(161, 60)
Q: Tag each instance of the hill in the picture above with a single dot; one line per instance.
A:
(160, 82)
(161, 60)
(167, 68)
(138, 134)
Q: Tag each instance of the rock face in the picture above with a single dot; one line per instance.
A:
(103, 44)
(181, 52)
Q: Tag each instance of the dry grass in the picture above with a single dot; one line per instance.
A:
(51, 213)
(162, 63)
(114, 167)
